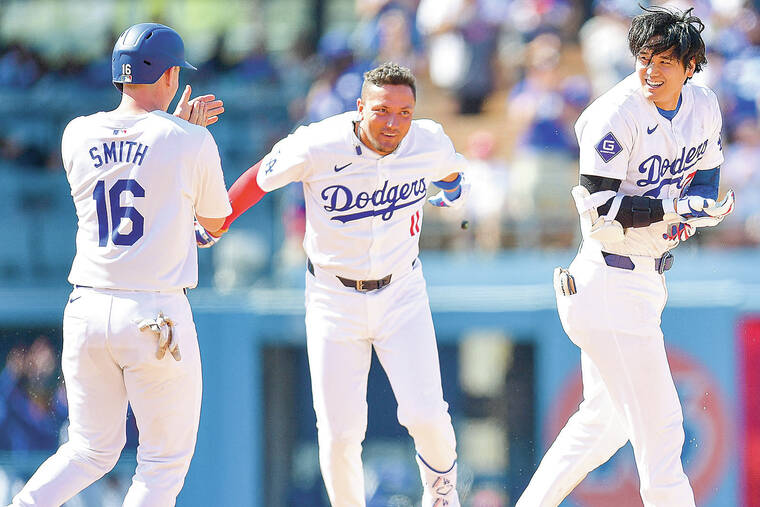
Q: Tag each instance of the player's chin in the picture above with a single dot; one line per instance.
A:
(388, 146)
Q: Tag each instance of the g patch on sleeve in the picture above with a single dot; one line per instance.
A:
(608, 147)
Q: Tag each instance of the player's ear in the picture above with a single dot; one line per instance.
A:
(170, 74)
(690, 67)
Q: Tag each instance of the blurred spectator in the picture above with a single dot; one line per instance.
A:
(739, 171)
(20, 67)
(15, 150)
(339, 83)
(533, 17)
(32, 399)
(394, 40)
(486, 206)
(604, 43)
(543, 108)
(386, 31)
(462, 37)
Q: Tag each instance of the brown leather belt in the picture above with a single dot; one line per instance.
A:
(359, 285)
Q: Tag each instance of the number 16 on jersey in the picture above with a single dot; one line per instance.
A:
(117, 212)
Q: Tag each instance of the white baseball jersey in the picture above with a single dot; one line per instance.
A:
(135, 230)
(623, 136)
(363, 210)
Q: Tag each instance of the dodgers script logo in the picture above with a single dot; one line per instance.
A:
(656, 167)
(339, 198)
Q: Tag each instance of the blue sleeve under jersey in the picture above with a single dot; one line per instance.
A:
(705, 183)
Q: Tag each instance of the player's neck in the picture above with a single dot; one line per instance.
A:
(139, 102)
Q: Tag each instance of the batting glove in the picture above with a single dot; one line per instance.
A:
(698, 211)
(164, 328)
(451, 198)
(680, 231)
(203, 238)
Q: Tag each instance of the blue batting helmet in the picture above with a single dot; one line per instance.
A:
(143, 53)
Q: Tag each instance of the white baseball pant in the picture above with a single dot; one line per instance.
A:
(627, 386)
(106, 363)
(342, 326)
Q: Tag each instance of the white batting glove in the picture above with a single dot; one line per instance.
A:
(698, 211)
(442, 200)
(203, 238)
(163, 327)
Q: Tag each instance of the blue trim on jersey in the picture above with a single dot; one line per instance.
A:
(433, 469)
(671, 114)
(705, 183)
(449, 185)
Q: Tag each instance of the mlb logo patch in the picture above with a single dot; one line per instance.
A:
(608, 147)
(117, 132)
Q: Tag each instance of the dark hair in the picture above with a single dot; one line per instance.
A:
(660, 29)
(390, 73)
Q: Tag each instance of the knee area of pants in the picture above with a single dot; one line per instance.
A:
(345, 438)
(102, 459)
(422, 424)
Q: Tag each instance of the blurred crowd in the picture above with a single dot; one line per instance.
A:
(34, 418)
(506, 78)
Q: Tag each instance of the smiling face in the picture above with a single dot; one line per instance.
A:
(385, 115)
(662, 76)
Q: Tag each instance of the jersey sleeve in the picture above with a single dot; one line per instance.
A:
(605, 141)
(67, 142)
(449, 160)
(210, 192)
(287, 162)
(714, 152)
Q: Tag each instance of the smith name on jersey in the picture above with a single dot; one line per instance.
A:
(622, 135)
(363, 210)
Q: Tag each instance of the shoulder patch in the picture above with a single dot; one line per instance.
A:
(608, 147)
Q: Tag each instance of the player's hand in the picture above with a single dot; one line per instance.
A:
(203, 110)
(443, 200)
(700, 212)
(203, 238)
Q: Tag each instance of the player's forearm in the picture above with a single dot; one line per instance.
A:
(244, 193)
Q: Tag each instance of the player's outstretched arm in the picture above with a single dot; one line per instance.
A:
(203, 110)
(453, 194)
(244, 193)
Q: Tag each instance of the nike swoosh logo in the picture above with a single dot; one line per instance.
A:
(74, 299)
(342, 167)
(649, 131)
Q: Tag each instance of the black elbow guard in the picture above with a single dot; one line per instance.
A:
(639, 211)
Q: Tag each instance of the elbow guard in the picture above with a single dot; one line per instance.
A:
(634, 210)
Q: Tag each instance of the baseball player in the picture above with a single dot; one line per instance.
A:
(138, 176)
(365, 177)
(650, 153)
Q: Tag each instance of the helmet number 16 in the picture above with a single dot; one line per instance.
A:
(126, 69)
(118, 212)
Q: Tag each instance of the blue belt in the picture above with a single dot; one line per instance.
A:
(661, 264)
